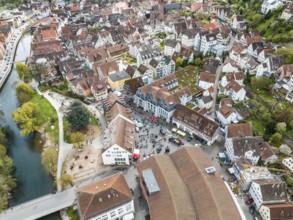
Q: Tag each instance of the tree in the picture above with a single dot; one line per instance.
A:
(291, 124)
(262, 83)
(276, 138)
(288, 180)
(24, 92)
(266, 116)
(23, 72)
(26, 117)
(285, 149)
(3, 139)
(77, 116)
(281, 127)
(50, 160)
(77, 137)
(198, 62)
(284, 114)
(40, 71)
(179, 62)
(66, 180)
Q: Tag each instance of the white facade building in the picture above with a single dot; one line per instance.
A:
(235, 91)
(107, 199)
(288, 162)
(268, 191)
(226, 115)
(269, 5)
(250, 174)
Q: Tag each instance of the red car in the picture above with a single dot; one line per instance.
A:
(249, 201)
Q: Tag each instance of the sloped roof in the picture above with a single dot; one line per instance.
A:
(195, 120)
(133, 84)
(239, 130)
(186, 190)
(211, 78)
(280, 211)
(99, 197)
(272, 190)
(241, 145)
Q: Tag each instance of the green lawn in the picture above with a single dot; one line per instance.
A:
(93, 120)
(73, 214)
(48, 116)
(190, 105)
(258, 127)
(187, 77)
(65, 129)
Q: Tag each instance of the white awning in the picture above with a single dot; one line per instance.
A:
(231, 170)
(129, 216)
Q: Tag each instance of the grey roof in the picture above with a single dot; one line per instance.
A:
(171, 43)
(150, 181)
(256, 45)
(276, 62)
(272, 189)
(242, 145)
(154, 63)
(207, 99)
(150, 52)
(118, 76)
(172, 6)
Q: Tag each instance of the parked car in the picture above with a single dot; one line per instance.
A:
(249, 201)
(252, 210)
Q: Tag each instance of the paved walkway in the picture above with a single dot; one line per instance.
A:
(215, 94)
(41, 206)
(64, 148)
(56, 101)
(7, 62)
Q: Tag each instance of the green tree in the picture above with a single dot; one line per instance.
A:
(40, 71)
(291, 124)
(66, 180)
(7, 183)
(266, 116)
(26, 117)
(77, 138)
(50, 160)
(281, 127)
(261, 83)
(3, 139)
(276, 138)
(23, 72)
(77, 116)
(24, 92)
(288, 180)
(198, 62)
(179, 62)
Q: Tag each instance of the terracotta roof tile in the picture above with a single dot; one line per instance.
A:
(99, 197)
(186, 190)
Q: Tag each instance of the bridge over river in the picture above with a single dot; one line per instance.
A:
(41, 206)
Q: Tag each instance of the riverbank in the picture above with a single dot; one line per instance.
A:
(32, 179)
(37, 116)
(7, 64)
(7, 182)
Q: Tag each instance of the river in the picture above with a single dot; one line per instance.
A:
(32, 179)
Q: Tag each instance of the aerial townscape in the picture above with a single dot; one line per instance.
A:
(139, 110)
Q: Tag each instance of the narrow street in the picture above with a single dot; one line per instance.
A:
(215, 94)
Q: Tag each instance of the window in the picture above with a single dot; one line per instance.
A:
(128, 207)
(120, 211)
(104, 217)
(112, 214)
